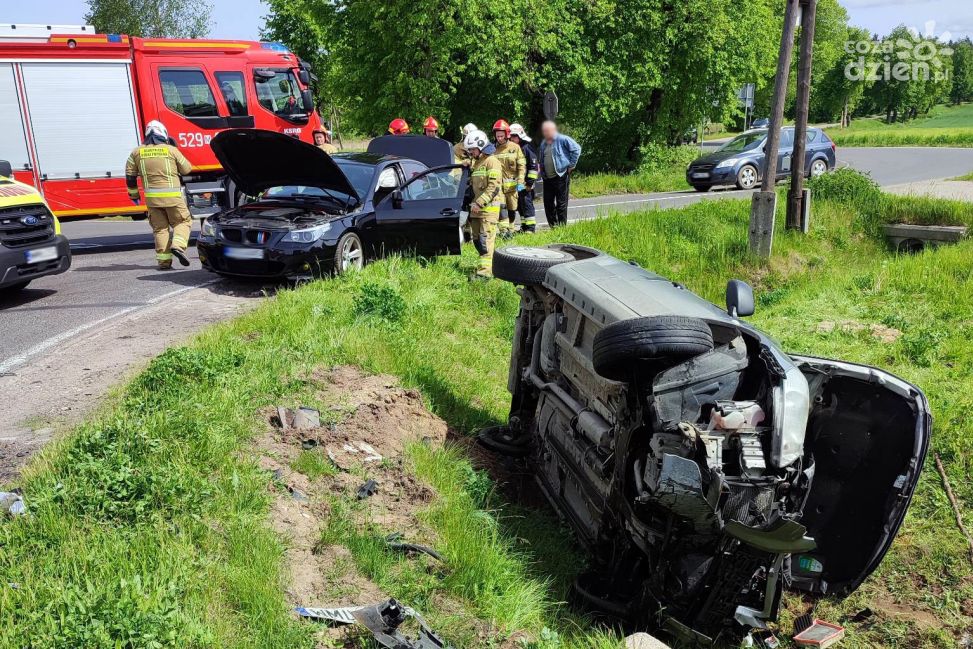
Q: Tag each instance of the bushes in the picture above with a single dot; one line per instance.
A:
(845, 186)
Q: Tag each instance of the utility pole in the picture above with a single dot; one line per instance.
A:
(797, 211)
(765, 201)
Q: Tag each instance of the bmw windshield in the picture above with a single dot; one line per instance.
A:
(359, 175)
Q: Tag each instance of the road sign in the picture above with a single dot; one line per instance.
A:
(745, 95)
(550, 105)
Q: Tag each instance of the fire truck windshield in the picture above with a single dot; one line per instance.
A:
(279, 92)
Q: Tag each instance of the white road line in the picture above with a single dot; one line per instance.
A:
(652, 200)
(41, 347)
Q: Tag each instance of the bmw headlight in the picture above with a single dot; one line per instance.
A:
(207, 228)
(309, 235)
(729, 162)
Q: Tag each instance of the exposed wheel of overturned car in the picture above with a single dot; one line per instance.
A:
(527, 265)
(653, 343)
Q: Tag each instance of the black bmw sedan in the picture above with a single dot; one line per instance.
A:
(318, 214)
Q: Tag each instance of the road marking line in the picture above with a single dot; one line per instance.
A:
(41, 347)
(657, 198)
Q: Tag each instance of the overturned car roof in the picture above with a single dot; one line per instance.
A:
(257, 160)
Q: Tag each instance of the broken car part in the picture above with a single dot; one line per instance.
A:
(395, 542)
(704, 468)
(369, 488)
(383, 621)
(820, 634)
(12, 503)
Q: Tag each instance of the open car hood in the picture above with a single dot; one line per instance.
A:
(257, 160)
(430, 151)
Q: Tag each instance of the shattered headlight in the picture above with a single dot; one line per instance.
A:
(729, 162)
(207, 228)
(310, 235)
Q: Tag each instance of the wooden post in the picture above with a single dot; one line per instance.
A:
(795, 197)
(764, 205)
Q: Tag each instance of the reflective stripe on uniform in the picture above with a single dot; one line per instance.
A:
(530, 221)
(179, 243)
(491, 209)
(162, 192)
(163, 256)
(532, 175)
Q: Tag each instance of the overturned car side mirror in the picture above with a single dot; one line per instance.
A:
(739, 298)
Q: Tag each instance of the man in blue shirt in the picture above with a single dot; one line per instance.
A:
(558, 157)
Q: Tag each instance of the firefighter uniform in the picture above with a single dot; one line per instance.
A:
(459, 153)
(485, 179)
(160, 166)
(525, 200)
(514, 166)
(328, 148)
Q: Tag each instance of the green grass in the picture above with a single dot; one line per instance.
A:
(148, 526)
(663, 169)
(314, 464)
(943, 126)
(968, 177)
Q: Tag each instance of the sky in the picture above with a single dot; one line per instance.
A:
(242, 19)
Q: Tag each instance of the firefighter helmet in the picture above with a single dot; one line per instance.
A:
(475, 140)
(398, 126)
(469, 128)
(155, 127)
(501, 125)
(518, 130)
(430, 124)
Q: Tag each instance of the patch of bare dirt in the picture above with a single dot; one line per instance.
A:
(887, 335)
(373, 421)
(922, 619)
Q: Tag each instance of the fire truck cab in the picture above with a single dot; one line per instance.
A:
(73, 104)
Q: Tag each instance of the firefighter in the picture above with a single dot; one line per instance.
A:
(322, 140)
(485, 180)
(430, 127)
(399, 126)
(511, 158)
(459, 149)
(160, 166)
(525, 197)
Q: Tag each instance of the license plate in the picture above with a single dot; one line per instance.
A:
(41, 254)
(700, 174)
(243, 253)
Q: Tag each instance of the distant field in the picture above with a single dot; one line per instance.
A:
(944, 126)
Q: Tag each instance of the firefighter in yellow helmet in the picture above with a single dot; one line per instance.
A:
(485, 180)
(322, 140)
(160, 164)
(514, 165)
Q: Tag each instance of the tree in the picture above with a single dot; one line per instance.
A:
(151, 18)
(962, 82)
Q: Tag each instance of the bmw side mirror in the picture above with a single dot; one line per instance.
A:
(397, 199)
(739, 298)
(5, 169)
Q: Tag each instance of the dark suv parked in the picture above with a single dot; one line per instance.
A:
(740, 161)
(705, 468)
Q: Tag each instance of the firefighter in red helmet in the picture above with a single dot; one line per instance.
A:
(514, 165)
(430, 127)
(398, 126)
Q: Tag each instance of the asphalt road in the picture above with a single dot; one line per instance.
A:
(113, 271)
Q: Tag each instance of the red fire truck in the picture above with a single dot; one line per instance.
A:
(74, 103)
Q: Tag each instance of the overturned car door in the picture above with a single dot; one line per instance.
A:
(868, 434)
(424, 214)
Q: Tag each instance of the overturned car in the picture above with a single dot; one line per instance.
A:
(704, 468)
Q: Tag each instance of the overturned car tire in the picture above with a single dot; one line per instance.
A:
(650, 343)
(527, 265)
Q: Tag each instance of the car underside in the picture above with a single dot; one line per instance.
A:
(704, 469)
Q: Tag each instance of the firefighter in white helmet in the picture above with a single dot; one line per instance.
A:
(485, 180)
(459, 150)
(160, 164)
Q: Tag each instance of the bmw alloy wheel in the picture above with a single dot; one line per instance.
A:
(352, 257)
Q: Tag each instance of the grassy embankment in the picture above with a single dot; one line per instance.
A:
(663, 170)
(148, 526)
(943, 126)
